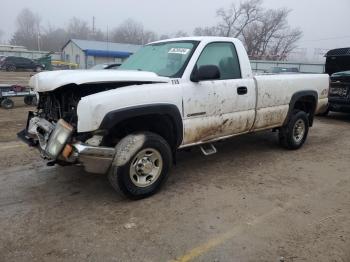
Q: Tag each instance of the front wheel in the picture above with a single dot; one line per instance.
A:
(141, 165)
(7, 103)
(294, 134)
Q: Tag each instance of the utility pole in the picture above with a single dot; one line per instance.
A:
(38, 41)
(38, 30)
(93, 25)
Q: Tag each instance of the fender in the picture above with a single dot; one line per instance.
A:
(297, 96)
(115, 117)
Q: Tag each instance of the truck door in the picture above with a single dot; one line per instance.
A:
(222, 107)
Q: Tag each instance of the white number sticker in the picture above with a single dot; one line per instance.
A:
(181, 51)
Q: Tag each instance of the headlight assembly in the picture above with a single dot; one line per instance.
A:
(58, 139)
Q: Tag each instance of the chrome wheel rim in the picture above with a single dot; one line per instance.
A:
(299, 131)
(146, 167)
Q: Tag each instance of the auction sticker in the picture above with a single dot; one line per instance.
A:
(177, 50)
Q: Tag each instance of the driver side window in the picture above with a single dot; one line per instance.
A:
(224, 56)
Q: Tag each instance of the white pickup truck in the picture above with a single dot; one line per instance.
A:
(171, 94)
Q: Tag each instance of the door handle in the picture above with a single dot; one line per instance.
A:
(242, 90)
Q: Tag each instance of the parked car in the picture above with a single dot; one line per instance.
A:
(169, 95)
(106, 66)
(12, 63)
(338, 67)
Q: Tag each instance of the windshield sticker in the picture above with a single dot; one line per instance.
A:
(181, 51)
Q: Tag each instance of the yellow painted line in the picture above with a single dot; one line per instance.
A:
(204, 248)
(214, 242)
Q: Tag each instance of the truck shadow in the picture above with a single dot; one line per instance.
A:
(193, 168)
(338, 117)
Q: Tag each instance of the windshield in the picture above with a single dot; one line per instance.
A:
(165, 59)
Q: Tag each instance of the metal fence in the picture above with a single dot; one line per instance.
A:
(265, 66)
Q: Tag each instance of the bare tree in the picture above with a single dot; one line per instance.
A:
(270, 37)
(53, 39)
(265, 33)
(28, 30)
(78, 28)
(132, 32)
(164, 36)
(207, 31)
(180, 33)
(236, 18)
(1, 35)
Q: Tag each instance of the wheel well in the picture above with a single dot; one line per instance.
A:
(162, 125)
(308, 105)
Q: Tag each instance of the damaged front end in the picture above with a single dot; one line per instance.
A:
(53, 130)
(57, 144)
(54, 127)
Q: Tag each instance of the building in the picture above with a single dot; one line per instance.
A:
(88, 53)
(21, 51)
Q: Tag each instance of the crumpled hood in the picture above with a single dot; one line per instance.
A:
(48, 81)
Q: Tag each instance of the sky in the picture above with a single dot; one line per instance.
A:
(325, 24)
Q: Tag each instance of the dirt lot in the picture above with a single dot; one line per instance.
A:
(252, 201)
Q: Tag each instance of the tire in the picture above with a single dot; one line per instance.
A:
(11, 68)
(294, 134)
(145, 170)
(7, 103)
(34, 101)
(38, 69)
(28, 100)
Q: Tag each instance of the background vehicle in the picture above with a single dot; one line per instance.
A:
(338, 67)
(12, 63)
(62, 65)
(170, 94)
(106, 66)
(7, 92)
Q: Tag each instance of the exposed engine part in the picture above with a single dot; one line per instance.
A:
(63, 102)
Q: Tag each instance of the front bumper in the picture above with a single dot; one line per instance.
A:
(40, 133)
(339, 105)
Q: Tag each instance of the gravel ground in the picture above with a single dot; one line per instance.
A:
(252, 201)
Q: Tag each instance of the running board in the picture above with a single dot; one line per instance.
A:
(208, 149)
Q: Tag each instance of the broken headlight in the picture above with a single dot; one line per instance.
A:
(58, 139)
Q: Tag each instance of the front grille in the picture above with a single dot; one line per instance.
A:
(339, 89)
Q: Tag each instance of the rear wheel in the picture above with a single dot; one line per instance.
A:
(294, 134)
(11, 68)
(145, 169)
(7, 103)
(38, 69)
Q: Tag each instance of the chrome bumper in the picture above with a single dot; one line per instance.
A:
(94, 159)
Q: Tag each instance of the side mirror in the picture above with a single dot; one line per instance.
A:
(205, 72)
